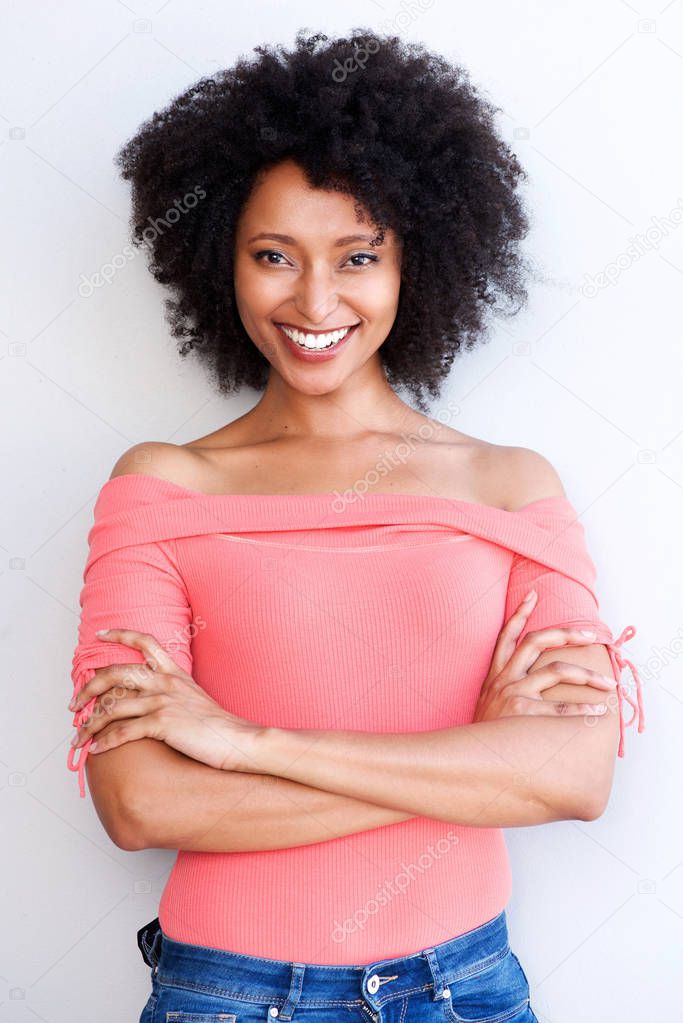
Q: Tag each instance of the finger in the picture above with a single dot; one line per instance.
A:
(527, 706)
(539, 640)
(123, 708)
(562, 709)
(125, 676)
(518, 619)
(120, 732)
(564, 671)
(510, 633)
(154, 653)
(529, 600)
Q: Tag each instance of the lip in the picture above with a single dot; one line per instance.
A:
(310, 356)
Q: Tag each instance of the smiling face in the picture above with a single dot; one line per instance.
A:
(305, 272)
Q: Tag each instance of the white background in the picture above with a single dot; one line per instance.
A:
(591, 99)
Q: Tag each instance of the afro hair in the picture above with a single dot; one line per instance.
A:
(397, 127)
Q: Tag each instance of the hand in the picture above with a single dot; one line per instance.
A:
(511, 690)
(159, 700)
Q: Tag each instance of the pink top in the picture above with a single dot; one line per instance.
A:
(306, 611)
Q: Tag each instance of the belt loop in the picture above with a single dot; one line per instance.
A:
(439, 986)
(287, 1010)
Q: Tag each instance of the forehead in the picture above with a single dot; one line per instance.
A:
(283, 201)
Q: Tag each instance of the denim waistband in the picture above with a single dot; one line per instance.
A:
(232, 974)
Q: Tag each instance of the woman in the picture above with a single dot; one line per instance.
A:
(320, 681)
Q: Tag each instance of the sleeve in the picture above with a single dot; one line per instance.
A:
(133, 587)
(564, 601)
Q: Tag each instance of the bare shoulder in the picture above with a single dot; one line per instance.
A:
(526, 475)
(170, 462)
(503, 476)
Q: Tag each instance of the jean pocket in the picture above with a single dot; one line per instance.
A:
(184, 1002)
(147, 1015)
(201, 1017)
(497, 992)
(179, 1005)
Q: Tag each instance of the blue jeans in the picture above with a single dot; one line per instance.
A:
(474, 977)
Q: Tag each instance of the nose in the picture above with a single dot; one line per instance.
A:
(316, 295)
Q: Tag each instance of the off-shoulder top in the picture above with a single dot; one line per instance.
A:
(375, 612)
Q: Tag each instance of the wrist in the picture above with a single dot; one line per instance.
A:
(266, 750)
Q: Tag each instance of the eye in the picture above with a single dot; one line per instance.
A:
(364, 255)
(267, 252)
(259, 257)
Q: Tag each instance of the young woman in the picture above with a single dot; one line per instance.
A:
(321, 682)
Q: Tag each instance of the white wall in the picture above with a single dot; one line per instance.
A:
(591, 98)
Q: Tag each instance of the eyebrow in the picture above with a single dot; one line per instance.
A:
(287, 239)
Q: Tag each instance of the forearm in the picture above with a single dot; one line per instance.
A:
(510, 772)
(187, 805)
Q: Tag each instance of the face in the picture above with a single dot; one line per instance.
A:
(314, 296)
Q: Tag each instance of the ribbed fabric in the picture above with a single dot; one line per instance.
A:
(306, 611)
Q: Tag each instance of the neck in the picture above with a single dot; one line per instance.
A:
(363, 404)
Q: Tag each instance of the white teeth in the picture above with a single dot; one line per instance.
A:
(315, 341)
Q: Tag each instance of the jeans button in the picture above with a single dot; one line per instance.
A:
(373, 984)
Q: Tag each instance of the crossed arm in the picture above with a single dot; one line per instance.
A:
(184, 804)
(510, 772)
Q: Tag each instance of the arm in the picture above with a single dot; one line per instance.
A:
(511, 772)
(212, 810)
(602, 737)
(560, 600)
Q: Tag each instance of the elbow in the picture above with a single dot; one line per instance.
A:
(586, 781)
(133, 832)
(129, 835)
(575, 806)
(594, 806)
(586, 807)
(597, 790)
(122, 828)
(119, 815)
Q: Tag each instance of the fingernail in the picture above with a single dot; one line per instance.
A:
(598, 708)
(588, 632)
(75, 739)
(101, 632)
(608, 678)
(530, 594)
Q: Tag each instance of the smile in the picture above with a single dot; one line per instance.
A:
(316, 342)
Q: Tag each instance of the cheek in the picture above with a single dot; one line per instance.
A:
(380, 301)
(246, 290)
(257, 295)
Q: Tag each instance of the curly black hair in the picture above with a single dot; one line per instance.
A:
(399, 128)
